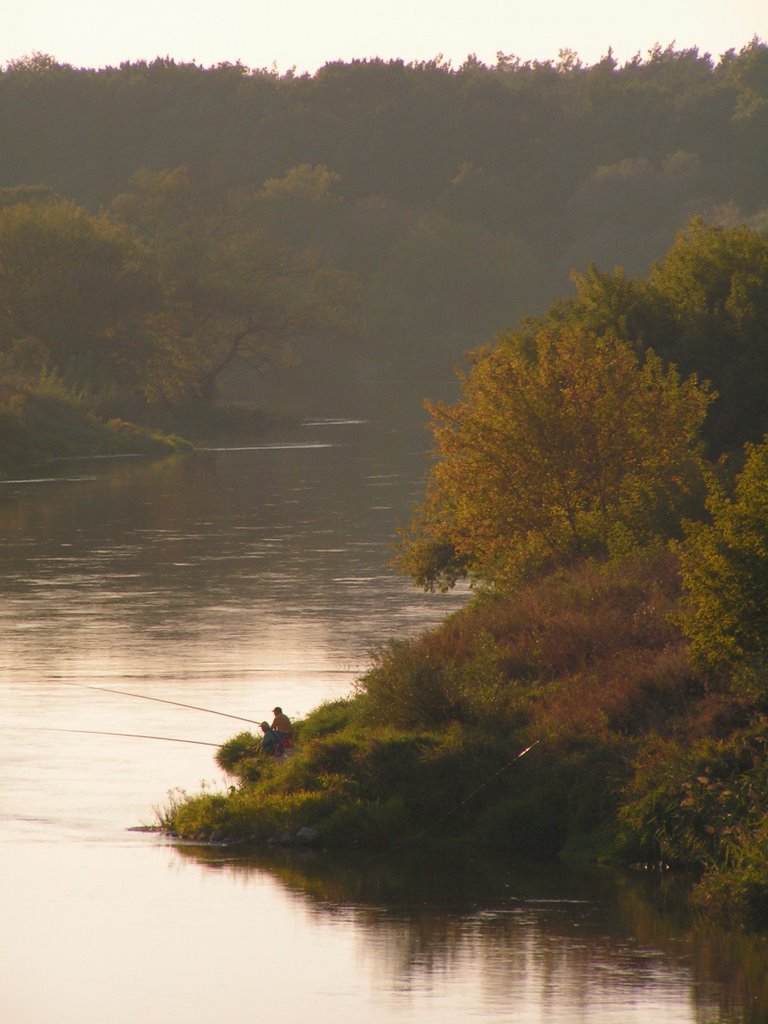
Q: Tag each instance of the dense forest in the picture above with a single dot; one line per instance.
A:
(173, 236)
(375, 219)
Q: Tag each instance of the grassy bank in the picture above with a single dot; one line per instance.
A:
(48, 421)
(638, 758)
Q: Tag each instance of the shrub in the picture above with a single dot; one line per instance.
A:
(405, 687)
(530, 823)
(699, 804)
(371, 824)
(238, 756)
(739, 892)
(329, 717)
(199, 817)
(594, 648)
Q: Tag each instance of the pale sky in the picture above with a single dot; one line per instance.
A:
(306, 34)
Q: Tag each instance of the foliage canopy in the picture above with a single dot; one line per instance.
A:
(576, 447)
(724, 567)
(76, 296)
(463, 197)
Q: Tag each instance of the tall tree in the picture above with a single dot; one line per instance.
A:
(703, 307)
(574, 447)
(238, 291)
(712, 289)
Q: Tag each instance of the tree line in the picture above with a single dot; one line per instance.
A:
(460, 199)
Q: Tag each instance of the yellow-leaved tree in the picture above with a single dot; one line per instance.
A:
(565, 444)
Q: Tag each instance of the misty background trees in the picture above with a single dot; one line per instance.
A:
(458, 199)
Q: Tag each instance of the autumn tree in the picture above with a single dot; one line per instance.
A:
(564, 446)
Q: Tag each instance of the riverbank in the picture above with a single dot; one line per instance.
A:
(638, 757)
(48, 422)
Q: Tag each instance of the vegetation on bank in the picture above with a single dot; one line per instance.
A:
(134, 313)
(620, 621)
(47, 421)
(639, 759)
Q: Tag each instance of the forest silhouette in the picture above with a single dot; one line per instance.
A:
(429, 206)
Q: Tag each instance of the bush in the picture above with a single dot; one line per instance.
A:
(590, 649)
(738, 894)
(373, 825)
(238, 756)
(247, 815)
(405, 687)
(330, 717)
(702, 804)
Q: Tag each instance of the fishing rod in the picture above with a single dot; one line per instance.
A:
(474, 792)
(133, 735)
(162, 700)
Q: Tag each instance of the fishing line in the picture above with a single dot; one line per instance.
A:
(474, 792)
(133, 735)
(160, 700)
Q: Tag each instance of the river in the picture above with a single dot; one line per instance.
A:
(233, 580)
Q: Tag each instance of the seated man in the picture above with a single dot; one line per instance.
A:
(283, 728)
(270, 741)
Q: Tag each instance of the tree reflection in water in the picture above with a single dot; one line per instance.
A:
(541, 933)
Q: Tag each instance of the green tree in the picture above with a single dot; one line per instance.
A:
(711, 290)
(724, 567)
(235, 291)
(566, 446)
(77, 296)
(703, 307)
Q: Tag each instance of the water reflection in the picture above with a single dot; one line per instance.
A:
(242, 560)
(524, 942)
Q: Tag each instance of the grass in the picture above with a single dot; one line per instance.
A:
(49, 421)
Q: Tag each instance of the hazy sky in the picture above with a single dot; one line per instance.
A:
(308, 33)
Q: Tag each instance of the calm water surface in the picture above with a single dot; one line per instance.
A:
(235, 580)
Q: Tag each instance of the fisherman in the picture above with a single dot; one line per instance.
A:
(270, 742)
(282, 726)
